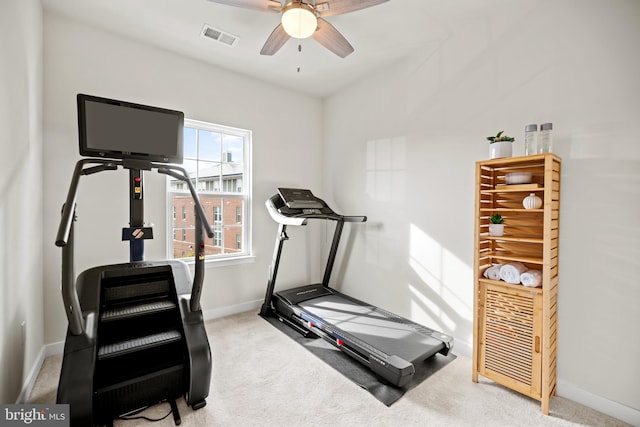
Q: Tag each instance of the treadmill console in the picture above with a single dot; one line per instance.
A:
(293, 206)
(296, 198)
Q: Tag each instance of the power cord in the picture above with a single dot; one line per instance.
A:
(134, 414)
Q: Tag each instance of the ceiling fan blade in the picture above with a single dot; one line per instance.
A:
(339, 7)
(261, 5)
(275, 41)
(329, 37)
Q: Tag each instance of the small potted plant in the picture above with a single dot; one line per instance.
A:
(500, 145)
(496, 226)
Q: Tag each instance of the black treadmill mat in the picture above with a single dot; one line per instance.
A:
(357, 372)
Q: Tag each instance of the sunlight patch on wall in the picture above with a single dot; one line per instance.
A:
(444, 289)
(386, 174)
(427, 312)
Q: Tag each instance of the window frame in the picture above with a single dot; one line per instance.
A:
(246, 253)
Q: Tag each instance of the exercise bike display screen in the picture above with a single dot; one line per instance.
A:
(122, 130)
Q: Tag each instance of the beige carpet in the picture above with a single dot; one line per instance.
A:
(262, 378)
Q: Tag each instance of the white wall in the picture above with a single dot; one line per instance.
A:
(400, 147)
(20, 193)
(81, 59)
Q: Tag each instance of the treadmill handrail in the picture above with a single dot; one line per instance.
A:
(282, 219)
(360, 218)
(64, 237)
(305, 214)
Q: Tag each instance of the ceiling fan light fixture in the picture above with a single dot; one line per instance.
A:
(299, 20)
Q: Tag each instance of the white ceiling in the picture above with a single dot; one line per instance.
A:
(380, 35)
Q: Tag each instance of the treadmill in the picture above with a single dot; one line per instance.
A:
(388, 344)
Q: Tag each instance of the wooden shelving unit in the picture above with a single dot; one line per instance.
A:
(515, 327)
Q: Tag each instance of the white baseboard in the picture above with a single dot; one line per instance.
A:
(462, 349)
(46, 351)
(53, 349)
(232, 309)
(601, 404)
(31, 377)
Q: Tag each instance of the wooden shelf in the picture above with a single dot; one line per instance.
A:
(515, 327)
(512, 238)
(489, 210)
(510, 257)
(505, 285)
(506, 188)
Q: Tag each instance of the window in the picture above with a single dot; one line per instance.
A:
(217, 226)
(218, 160)
(217, 236)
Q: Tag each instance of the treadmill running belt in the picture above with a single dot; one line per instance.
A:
(369, 324)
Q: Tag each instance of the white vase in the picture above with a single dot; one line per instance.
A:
(500, 149)
(496, 230)
(532, 202)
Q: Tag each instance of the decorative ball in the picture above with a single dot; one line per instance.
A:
(532, 202)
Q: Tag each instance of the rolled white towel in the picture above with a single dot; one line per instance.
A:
(493, 272)
(531, 278)
(511, 272)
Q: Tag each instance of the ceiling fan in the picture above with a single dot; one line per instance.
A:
(305, 18)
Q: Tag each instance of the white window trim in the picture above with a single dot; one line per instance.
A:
(248, 255)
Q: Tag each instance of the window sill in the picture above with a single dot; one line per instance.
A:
(223, 262)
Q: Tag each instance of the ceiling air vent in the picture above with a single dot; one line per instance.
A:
(220, 36)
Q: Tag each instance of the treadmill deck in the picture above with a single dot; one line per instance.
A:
(393, 336)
